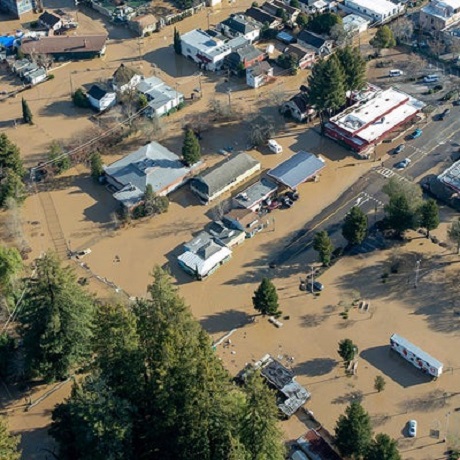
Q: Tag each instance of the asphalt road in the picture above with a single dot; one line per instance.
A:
(431, 150)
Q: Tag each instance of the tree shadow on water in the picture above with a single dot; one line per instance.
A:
(225, 321)
(315, 367)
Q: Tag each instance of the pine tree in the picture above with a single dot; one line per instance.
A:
(353, 66)
(10, 156)
(323, 245)
(429, 216)
(10, 267)
(383, 448)
(191, 150)
(265, 298)
(259, 431)
(97, 166)
(177, 42)
(400, 215)
(384, 38)
(56, 319)
(26, 113)
(11, 187)
(354, 227)
(9, 444)
(327, 86)
(353, 431)
(347, 350)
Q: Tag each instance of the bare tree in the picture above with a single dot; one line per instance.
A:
(403, 29)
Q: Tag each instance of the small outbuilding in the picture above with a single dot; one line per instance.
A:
(297, 169)
(100, 98)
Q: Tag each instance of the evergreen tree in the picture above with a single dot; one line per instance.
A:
(56, 321)
(327, 86)
(353, 431)
(191, 150)
(322, 244)
(10, 267)
(453, 233)
(383, 448)
(323, 23)
(177, 42)
(413, 192)
(302, 20)
(400, 216)
(354, 227)
(265, 298)
(353, 66)
(10, 156)
(429, 216)
(259, 431)
(347, 350)
(11, 187)
(188, 395)
(294, 3)
(97, 165)
(384, 38)
(80, 100)
(26, 113)
(93, 423)
(9, 444)
(379, 383)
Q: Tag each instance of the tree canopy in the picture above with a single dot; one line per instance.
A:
(347, 350)
(353, 67)
(327, 85)
(11, 172)
(191, 150)
(158, 386)
(265, 298)
(9, 444)
(177, 42)
(97, 165)
(384, 38)
(56, 320)
(322, 244)
(453, 233)
(353, 431)
(429, 216)
(10, 267)
(383, 448)
(26, 112)
(323, 23)
(354, 227)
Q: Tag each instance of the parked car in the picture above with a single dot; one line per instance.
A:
(403, 164)
(412, 428)
(294, 196)
(417, 133)
(317, 286)
(399, 148)
(430, 78)
(457, 102)
(444, 114)
(286, 202)
(395, 73)
(272, 205)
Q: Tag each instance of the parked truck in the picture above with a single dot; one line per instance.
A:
(416, 356)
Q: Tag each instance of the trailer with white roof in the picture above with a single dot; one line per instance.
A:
(416, 356)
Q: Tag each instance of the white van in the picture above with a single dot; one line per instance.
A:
(430, 78)
(274, 146)
(395, 73)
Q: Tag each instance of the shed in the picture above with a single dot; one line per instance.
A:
(297, 169)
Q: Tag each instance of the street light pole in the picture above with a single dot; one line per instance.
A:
(446, 434)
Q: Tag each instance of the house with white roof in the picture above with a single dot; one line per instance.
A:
(366, 123)
(161, 97)
(207, 51)
(153, 165)
(380, 11)
(203, 255)
(354, 24)
(439, 14)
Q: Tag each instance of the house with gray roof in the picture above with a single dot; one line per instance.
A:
(224, 176)
(238, 25)
(203, 255)
(297, 169)
(226, 235)
(153, 165)
(253, 196)
(161, 97)
(322, 46)
(244, 57)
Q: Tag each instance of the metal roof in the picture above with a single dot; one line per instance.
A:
(401, 341)
(151, 164)
(224, 173)
(256, 193)
(297, 169)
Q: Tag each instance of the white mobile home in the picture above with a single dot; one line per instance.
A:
(416, 356)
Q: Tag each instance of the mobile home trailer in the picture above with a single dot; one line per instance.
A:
(416, 356)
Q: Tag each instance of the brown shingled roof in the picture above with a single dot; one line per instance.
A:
(64, 44)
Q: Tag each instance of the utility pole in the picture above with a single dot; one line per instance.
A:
(209, 14)
(229, 92)
(417, 271)
(446, 434)
(312, 278)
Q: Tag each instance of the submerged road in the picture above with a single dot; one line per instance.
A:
(433, 149)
